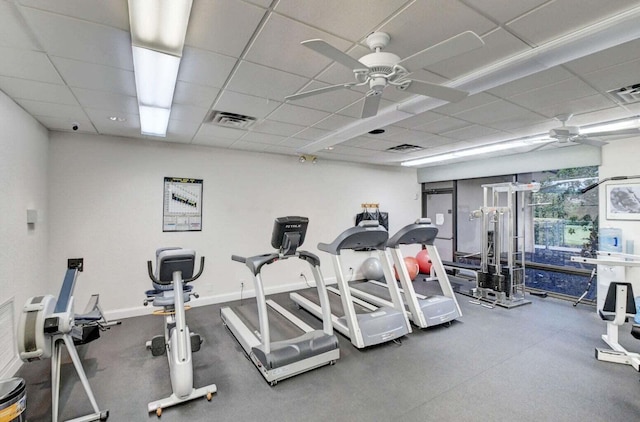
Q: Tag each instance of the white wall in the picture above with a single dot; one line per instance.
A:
(106, 206)
(24, 146)
(620, 158)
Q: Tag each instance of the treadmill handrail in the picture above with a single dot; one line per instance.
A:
(255, 263)
(356, 238)
(413, 234)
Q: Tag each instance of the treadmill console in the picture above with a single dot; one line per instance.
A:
(288, 233)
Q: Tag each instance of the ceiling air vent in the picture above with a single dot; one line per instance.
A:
(626, 95)
(233, 120)
(404, 148)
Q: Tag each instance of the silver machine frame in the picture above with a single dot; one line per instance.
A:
(352, 329)
(249, 340)
(618, 316)
(498, 215)
(46, 325)
(420, 232)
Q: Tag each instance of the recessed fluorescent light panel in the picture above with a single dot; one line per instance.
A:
(158, 30)
(518, 143)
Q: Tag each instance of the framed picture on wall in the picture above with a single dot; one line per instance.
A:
(182, 205)
(623, 201)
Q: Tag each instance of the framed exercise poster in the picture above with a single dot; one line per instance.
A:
(623, 202)
(182, 206)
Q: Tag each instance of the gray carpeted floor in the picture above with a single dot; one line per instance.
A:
(531, 363)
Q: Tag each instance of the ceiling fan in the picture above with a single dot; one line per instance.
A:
(380, 69)
(571, 134)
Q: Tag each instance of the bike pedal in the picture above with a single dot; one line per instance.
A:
(158, 346)
(196, 341)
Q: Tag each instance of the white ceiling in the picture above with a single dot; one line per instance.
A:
(68, 61)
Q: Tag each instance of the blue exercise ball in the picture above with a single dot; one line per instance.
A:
(372, 269)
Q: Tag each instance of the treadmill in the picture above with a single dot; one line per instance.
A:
(278, 343)
(364, 324)
(423, 311)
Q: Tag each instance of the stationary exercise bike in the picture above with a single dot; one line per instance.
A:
(47, 323)
(174, 269)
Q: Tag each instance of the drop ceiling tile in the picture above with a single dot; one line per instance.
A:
(194, 94)
(248, 105)
(294, 143)
(426, 23)
(205, 67)
(418, 120)
(261, 81)
(444, 125)
(106, 100)
(277, 128)
(181, 131)
(334, 122)
(532, 82)
(610, 57)
(37, 91)
(223, 26)
(263, 138)
(93, 76)
(289, 113)
(345, 150)
(13, 33)
(278, 46)
(211, 131)
(370, 143)
(577, 106)
(615, 77)
(328, 101)
(72, 38)
(130, 127)
(390, 132)
(188, 113)
(499, 45)
(64, 125)
(262, 3)
(470, 102)
(499, 113)
(312, 134)
(604, 115)
(557, 18)
(557, 93)
(110, 13)
(29, 65)
(60, 111)
(324, 15)
(504, 11)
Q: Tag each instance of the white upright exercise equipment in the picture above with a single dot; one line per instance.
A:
(278, 343)
(46, 324)
(174, 269)
(617, 307)
(423, 311)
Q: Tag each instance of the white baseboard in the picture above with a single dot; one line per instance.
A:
(214, 299)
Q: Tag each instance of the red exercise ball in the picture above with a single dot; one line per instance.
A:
(424, 261)
(412, 268)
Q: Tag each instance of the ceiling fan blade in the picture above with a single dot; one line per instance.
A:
(588, 141)
(429, 89)
(318, 91)
(371, 104)
(327, 50)
(632, 131)
(454, 46)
